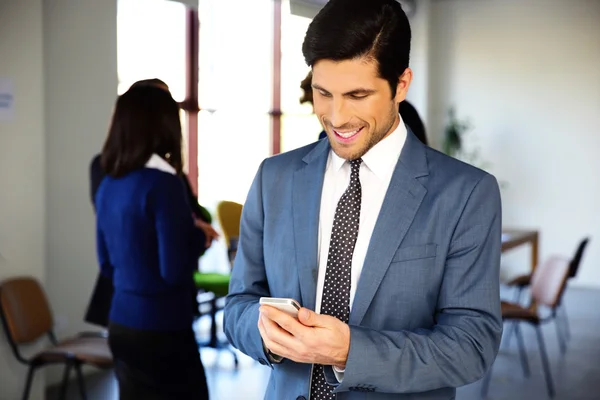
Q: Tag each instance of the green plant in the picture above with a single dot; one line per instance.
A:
(453, 134)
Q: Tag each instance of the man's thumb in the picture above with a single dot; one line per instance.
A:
(307, 317)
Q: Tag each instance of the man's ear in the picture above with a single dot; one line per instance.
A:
(404, 82)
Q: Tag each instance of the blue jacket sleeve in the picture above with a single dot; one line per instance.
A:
(179, 242)
(248, 278)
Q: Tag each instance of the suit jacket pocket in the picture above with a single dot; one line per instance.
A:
(415, 252)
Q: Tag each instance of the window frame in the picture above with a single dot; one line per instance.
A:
(191, 104)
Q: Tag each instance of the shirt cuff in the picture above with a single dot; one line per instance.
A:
(272, 357)
(339, 373)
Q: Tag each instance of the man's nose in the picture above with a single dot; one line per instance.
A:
(340, 114)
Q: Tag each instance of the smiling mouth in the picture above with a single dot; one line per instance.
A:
(348, 134)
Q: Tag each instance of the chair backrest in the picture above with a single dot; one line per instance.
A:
(576, 261)
(25, 310)
(230, 215)
(549, 280)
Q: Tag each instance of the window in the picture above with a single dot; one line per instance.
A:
(234, 95)
(299, 125)
(250, 69)
(151, 43)
(236, 76)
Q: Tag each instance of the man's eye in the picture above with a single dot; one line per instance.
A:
(325, 94)
(358, 97)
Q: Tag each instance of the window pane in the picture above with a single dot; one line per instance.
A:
(236, 55)
(151, 43)
(293, 66)
(299, 126)
(231, 146)
(298, 131)
(185, 142)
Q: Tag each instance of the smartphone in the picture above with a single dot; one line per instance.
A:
(289, 306)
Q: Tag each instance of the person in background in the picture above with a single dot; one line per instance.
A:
(200, 213)
(411, 118)
(307, 97)
(148, 244)
(99, 306)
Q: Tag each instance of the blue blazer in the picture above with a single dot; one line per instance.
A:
(148, 245)
(426, 313)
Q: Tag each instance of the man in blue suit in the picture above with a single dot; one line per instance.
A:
(392, 248)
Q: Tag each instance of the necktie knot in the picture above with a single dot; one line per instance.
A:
(355, 167)
(355, 164)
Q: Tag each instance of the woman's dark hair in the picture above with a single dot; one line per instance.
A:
(150, 82)
(145, 121)
(349, 29)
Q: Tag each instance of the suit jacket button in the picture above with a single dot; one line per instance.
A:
(300, 398)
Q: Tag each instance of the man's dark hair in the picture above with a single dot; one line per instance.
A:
(349, 29)
(145, 121)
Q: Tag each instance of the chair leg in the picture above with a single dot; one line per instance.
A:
(562, 341)
(511, 329)
(485, 385)
(65, 382)
(545, 362)
(214, 342)
(236, 362)
(28, 382)
(80, 381)
(519, 292)
(522, 352)
(566, 321)
(509, 334)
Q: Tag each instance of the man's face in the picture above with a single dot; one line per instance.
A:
(355, 106)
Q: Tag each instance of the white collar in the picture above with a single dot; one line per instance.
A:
(381, 158)
(157, 162)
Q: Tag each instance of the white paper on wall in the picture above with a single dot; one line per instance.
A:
(7, 99)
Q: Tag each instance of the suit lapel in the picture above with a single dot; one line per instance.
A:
(402, 200)
(306, 204)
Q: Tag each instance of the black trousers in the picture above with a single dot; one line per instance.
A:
(153, 365)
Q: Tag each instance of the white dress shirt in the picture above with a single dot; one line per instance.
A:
(375, 175)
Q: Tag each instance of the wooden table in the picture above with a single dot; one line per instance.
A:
(512, 238)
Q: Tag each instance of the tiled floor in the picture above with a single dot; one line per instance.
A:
(576, 375)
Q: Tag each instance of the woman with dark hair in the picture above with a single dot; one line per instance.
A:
(99, 306)
(148, 245)
(411, 117)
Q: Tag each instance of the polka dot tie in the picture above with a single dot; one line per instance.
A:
(336, 290)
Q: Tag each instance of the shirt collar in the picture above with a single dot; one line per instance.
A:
(381, 158)
(157, 162)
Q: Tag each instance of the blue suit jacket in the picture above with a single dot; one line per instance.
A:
(426, 313)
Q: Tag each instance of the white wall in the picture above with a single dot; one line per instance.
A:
(80, 90)
(22, 216)
(420, 58)
(527, 73)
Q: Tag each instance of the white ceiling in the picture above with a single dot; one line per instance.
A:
(310, 8)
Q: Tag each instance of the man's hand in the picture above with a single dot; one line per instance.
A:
(311, 339)
(208, 230)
